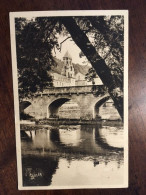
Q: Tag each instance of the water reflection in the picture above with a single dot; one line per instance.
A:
(38, 171)
(105, 138)
(48, 153)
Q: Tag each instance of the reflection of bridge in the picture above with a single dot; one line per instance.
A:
(77, 139)
(87, 140)
(45, 104)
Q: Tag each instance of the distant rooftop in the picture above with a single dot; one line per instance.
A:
(67, 55)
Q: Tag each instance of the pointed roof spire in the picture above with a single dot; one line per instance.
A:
(67, 55)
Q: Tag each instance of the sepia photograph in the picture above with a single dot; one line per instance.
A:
(70, 83)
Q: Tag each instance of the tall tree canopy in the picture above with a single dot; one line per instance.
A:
(35, 40)
(99, 38)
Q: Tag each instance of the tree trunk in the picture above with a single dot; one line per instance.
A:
(96, 61)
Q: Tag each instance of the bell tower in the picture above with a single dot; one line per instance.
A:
(68, 67)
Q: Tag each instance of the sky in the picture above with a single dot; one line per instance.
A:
(70, 46)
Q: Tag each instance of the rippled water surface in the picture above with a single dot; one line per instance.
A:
(69, 156)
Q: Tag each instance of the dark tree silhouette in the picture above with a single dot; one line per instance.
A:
(34, 43)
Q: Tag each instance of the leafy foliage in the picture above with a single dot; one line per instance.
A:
(107, 35)
(35, 40)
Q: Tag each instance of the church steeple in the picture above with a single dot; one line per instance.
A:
(68, 67)
(67, 59)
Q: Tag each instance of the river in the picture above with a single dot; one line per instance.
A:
(73, 156)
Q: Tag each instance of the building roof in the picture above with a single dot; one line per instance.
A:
(67, 55)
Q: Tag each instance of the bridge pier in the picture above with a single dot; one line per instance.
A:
(86, 114)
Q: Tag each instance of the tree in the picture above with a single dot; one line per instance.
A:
(108, 39)
(110, 34)
(36, 40)
(97, 62)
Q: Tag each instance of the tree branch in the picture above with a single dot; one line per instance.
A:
(59, 48)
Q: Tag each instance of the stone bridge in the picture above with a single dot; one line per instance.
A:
(46, 104)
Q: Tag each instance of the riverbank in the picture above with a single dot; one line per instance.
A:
(46, 123)
(56, 121)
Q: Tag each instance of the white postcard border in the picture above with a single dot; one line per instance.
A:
(13, 15)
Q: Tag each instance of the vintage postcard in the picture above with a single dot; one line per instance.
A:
(70, 78)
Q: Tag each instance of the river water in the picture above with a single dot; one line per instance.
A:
(73, 156)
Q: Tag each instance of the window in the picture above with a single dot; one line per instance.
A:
(71, 68)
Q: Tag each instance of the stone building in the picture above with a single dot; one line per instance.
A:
(65, 75)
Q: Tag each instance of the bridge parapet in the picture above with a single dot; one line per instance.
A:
(69, 90)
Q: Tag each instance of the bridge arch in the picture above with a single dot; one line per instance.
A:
(24, 105)
(100, 103)
(52, 109)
